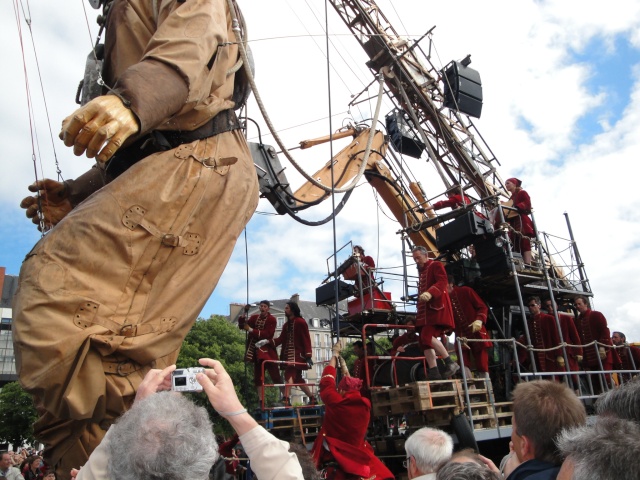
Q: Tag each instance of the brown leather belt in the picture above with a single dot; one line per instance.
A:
(163, 140)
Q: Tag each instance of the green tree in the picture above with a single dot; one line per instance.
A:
(17, 415)
(217, 338)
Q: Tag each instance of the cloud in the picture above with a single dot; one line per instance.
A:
(540, 85)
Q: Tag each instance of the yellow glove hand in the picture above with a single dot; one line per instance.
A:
(336, 349)
(100, 127)
(560, 361)
(603, 353)
(476, 326)
(579, 358)
(425, 297)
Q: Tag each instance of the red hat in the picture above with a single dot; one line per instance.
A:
(515, 181)
(350, 384)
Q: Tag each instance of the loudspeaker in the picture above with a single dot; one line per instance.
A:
(493, 259)
(462, 231)
(402, 134)
(465, 270)
(462, 89)
(326, 294)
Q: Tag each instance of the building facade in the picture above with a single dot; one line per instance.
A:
(8, 286)
(318, 319)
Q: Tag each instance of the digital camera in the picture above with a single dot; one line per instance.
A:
(184, 380)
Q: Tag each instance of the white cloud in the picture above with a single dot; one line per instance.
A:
(536, 94)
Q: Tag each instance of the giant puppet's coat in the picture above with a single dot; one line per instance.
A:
(114, 288)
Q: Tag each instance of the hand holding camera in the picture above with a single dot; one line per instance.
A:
(184, 380)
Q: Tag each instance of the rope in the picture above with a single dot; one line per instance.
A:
(261, 106)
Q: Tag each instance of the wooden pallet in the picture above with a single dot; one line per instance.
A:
(417, 396)
(504, 413)
(483, 416)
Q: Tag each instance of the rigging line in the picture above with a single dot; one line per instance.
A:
(44, 101)
(16, 11)
(316, 43)
(246, 261)
(335, 325)
(348, 64)
(339, 51)
(399, 18)
(299, 125)
(243, 53)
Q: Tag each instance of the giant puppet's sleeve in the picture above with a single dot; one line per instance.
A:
(185, 60)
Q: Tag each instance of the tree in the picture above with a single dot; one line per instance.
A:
(219, 339)
(17, 415)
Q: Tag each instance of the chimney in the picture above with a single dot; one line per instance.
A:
(295, 298)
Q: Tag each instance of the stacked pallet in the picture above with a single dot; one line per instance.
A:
(485, 412)
(435, 403)
(300, 424)
(417, 396)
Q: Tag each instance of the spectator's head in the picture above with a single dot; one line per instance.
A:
(309, 471)
(618, 338)
(292, 310)
(466, 471)
(466, 455)
(541, 410)
(164, 436)
(34, 462)
(5, 460)
(427, 449)
(607, 450)
(622, 402)
(358, 349)
(50, 475)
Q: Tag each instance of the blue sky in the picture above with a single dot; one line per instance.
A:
(561, 108)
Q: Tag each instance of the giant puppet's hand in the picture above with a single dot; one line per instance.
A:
(100, 127)
(52, 205)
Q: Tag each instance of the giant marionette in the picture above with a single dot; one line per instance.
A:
(138, 242)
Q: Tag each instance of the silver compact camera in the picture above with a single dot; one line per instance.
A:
(184, 380)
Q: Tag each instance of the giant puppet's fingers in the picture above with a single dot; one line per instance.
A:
(51, 204)
(99, 128)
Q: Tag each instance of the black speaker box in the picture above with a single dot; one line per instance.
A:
(463, 89)
(491, 258)
(402, 135)
(462, 231)
(326, 294)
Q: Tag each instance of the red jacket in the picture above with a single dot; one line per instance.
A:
(544, 334)
(468, 307)
(454, 201)
(343, 430)
(295, 341)
(263, 329)
(522, 222)
(437, 311)
(626, 354)
(591, 326)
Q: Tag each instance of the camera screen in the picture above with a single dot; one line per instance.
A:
(180, 381)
